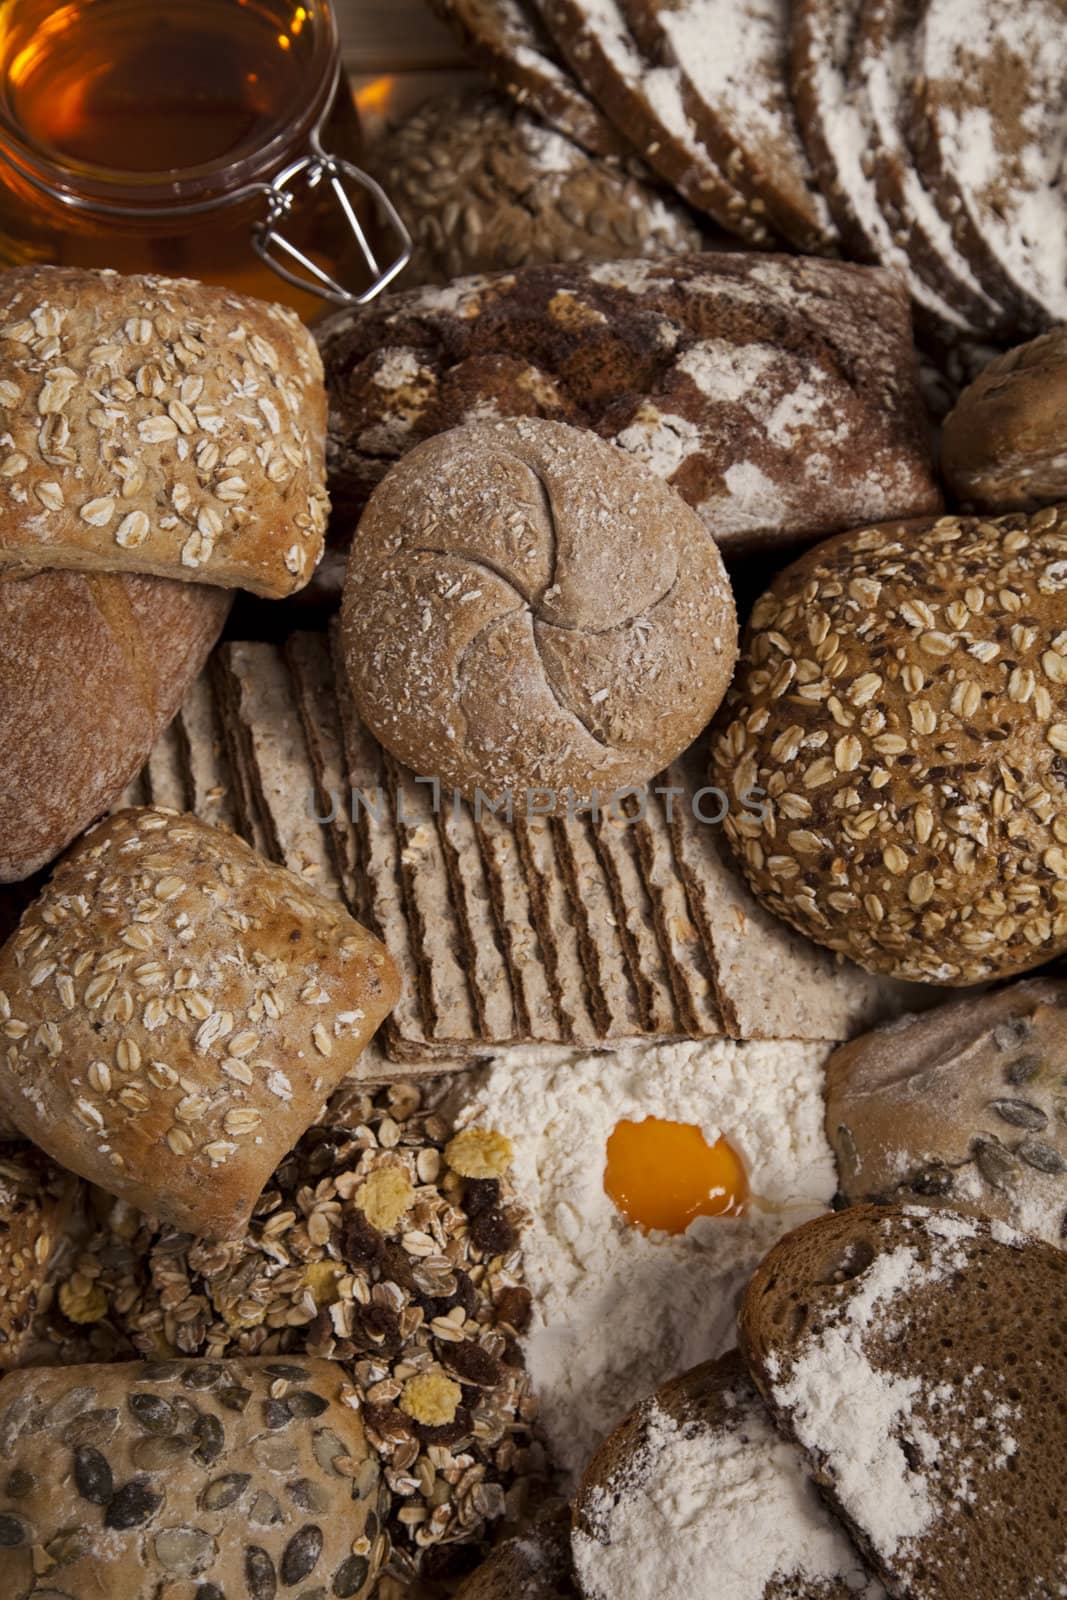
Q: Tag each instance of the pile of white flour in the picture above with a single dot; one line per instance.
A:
(616, 1312)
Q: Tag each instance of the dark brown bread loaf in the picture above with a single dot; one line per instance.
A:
(92, 668)
(175, 1010)
(526, 610)
(902, 700)
(918, 1359)
(187, 1479)
(1003, 447)
(535, 1565)
(963, 1107)
(778, 396)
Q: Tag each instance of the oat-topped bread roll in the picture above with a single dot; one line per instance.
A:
(37, 1203)
(527, 609)
(1003, 447)
(902, 703)
(158, 425)
(694, 1496)
(175, 1012)
(962, 1107)
(917, 1359)
(193, 1480)
(92, 669)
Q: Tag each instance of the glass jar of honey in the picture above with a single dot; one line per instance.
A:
(213, 139)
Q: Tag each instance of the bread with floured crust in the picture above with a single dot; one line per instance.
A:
(917, 1358)
(1003, 446)
(963, 1108)
(93, 666)
(158, 425)
(174, 1010)
(535, 1564)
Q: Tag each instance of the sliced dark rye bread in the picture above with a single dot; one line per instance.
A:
(762, 1487)
(919, 1359)
(646, 101)
(986, 126)
(534, 1565)
(731, 59)
(883, 67)
(835, 125)
(507, 40)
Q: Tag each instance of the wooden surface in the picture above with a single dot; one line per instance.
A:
(380, 36)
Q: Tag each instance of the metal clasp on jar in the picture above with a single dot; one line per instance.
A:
(295, 265)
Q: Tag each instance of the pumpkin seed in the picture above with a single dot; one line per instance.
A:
(209, 1591)
(234, 1397)
(291, 1374)
(998, 1166)
(366, 1479)
(202, 1375)
(212, 1440)
(69, 1544)
(261, 1580)
(1023, 1069)
(19, 1484)
(152, 1412)
(302, 1403)
(1042, 1157)
(936, 1179)
(133, 1505)
(274, 1453)
(156, 1455)
(276, 1414)
(325, 1447)
(14, 1530)
(301, 1554)
(350, 1577)
(266, 1511)
(1020, 1114)
(185, 1549)
(92, 1475)
(94, 1427)
(63, 1411)
(224, 1491)
(161, 1371)
(308, 1496)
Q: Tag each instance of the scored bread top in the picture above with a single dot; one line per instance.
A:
(902, 698)
(696, 1485)
(917, 1358)
(173, 1012)
(526, 609)
(158, 425)
(963, 1107)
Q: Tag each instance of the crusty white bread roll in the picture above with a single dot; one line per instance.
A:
(174, 1011)
(158, 425)
(92, 669)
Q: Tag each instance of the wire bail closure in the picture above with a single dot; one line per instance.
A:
(293, 264)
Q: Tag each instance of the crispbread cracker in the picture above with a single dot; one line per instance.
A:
(634, 914)
(688, 960)
(472, 898)
(558, 934)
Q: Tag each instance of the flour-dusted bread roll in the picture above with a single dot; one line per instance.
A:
(189, 1480)
(92, 669)
(158, 425)
(899, 717)
(528, 610)
(174, 1011)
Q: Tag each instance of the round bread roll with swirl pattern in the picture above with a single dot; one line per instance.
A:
(901, 701)
(527, 609)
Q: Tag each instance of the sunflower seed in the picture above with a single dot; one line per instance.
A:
(92, 1475)
(1042, 1157)
(301, 1554)
(1023, 1069)
(1020, 1114)
(998, 1166)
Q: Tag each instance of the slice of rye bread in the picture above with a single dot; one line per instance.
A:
(508, 41)
(987, 131)
(965, 1107)
(835, 124)
(918, 1358)
(883, 66)
(759, 1481)
(534, 1565)
(646, 101)
(731, 57)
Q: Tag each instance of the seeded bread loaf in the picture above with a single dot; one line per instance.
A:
(526, 609)
(248, 1478)
(484, 186)
(695, 1482)
(917, 1358)
(92, 669)
(37, 1204)
(778, 396)
(158, 425)
(902, 702)
(536, 1564)
(1003, 447)
(963, 1107)
(174, 1012)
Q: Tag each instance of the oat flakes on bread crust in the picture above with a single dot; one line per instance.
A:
(250, 1477)
(1003, 445)
(987, 131)
(917, 1358)
(158, 425)
(731, 62)
(902, 699)
(760, 1485)
(963, 1108)
(174, 1011)
(526, 609)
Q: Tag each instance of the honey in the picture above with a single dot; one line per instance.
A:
(661, 1175)
(143, 135)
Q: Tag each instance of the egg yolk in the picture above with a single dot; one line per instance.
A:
(661, 1175)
